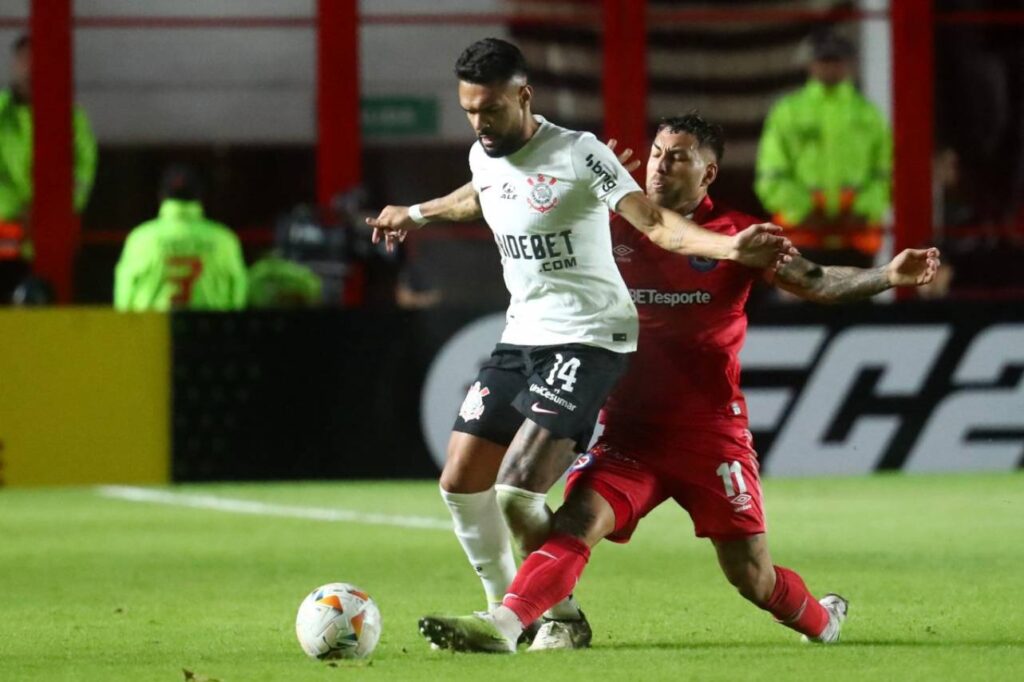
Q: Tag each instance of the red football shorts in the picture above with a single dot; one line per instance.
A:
(713, 475)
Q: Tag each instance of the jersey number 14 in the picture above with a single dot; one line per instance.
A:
(564, 370)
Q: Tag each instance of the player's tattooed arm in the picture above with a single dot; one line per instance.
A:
(830, 284)
(759, 246)
(834, 284)
(395, 222)
(460, 206)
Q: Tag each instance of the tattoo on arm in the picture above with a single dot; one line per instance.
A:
(461, 205)
(831, 284)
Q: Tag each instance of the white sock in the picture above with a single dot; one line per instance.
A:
(508, 623)
(482, 532)
(527, 516)
(529, 520)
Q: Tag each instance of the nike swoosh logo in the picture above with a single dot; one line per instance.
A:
(484, 189)
(537, 408)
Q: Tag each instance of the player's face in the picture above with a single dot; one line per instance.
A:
(497, 113)
(679, 170)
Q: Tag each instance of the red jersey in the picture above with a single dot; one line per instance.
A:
(686, 369)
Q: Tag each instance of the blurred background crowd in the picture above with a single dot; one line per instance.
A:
(208, 120)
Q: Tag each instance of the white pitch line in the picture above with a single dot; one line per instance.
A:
(236, 506)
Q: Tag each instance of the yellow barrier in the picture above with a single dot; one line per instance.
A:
(84, 397)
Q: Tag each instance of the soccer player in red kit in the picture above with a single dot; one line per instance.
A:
(676, 423)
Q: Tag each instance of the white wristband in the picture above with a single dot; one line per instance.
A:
(417, 215)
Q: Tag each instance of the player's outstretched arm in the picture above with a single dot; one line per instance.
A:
(394, 222)
(758, 246)
(833, 284)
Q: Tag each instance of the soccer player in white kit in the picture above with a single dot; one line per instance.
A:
(545, 192)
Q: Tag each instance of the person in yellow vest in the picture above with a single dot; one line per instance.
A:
(16, 168)
(824, 163)
(180, 259)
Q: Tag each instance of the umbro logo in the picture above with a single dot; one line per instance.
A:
(741, 502)
(621, 251)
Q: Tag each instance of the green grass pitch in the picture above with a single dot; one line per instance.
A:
(93, 588)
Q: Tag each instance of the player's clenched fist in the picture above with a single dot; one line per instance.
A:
(763, 246)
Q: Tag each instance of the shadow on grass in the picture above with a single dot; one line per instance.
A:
(968, 643)
(846, 644)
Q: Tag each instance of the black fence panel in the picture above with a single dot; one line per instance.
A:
(372, 394)
(303, 395)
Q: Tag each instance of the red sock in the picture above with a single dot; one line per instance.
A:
(795, 607)
(547, 577)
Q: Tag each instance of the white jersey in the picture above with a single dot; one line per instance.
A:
(547, 205)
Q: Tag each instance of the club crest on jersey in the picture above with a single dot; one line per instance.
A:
(542, 197)
(702, 264)
(582, 462)
(473, 406)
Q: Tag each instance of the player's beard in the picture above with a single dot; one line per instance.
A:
(504, 145)
(676, 197)
(665, 197)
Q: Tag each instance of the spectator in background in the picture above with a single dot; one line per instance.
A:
(277, 282)
(413, 290)
(979, 116)
(180, 259)
(824, 164)
(16, 250)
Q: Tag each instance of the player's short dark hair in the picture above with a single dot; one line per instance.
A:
(20, 43)
(709, 135)
(490, 60)
(180, 182)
